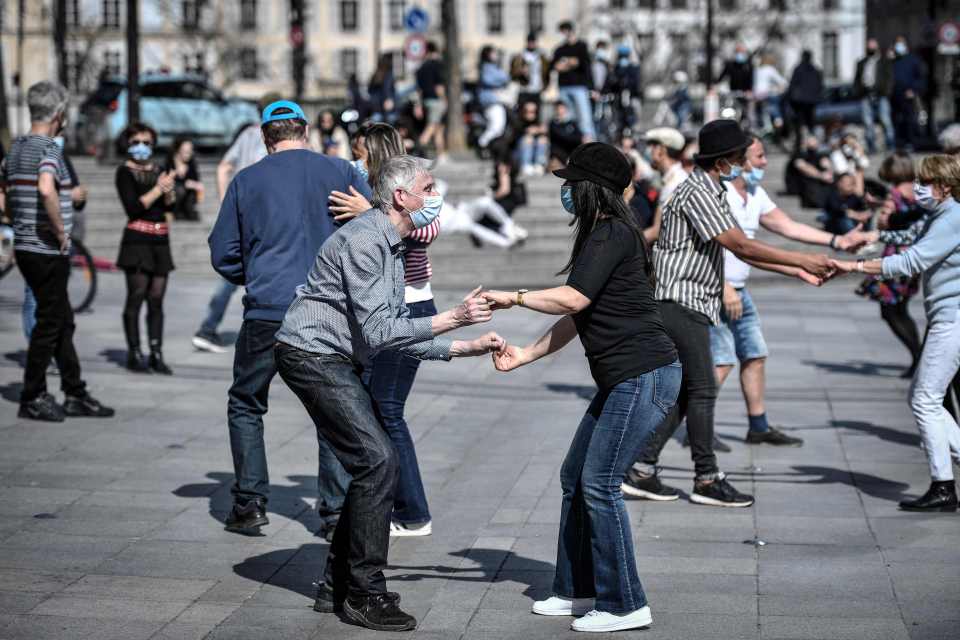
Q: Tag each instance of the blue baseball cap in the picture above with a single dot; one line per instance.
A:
(282, 110)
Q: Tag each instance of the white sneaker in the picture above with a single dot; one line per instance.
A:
(603, 621)
(557, 606)
(400, 530)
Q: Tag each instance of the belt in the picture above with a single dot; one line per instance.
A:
(151, 228)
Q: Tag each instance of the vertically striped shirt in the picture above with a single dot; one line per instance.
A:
(30, 156)
(688, 263)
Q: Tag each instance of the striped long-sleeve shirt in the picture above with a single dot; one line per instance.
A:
(416, 264)
(688, 263)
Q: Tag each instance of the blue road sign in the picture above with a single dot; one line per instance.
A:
(416, 20)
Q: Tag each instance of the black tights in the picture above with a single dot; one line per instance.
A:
(897, 317)
(144, 286)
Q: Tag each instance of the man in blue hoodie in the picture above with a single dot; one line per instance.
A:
(272, 222)
(909, 85)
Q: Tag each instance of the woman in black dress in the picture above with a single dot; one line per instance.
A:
(147, 195)
(187, 187)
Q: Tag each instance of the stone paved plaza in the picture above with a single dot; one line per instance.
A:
(112, 529)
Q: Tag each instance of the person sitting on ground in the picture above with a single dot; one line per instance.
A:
(329, 137)
(565, 135)
(809, 174)
(532, 142)
(845, 207)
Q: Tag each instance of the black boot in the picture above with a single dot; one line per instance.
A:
(157, 364)
(135, 361)
(941, 496)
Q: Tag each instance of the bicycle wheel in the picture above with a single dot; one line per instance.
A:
(83, 278)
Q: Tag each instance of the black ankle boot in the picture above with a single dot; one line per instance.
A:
(135, 361)
(941, 496)
(158, 365)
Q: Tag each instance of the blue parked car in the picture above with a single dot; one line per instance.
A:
(840, 104)
(174, 105)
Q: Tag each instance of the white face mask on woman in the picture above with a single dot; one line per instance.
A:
(923, 194)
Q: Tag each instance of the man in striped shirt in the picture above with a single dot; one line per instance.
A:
(688, 258)
(36, 188)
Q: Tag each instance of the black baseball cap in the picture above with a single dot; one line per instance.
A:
(599, 163)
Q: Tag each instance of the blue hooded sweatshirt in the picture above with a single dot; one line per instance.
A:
(272, 222)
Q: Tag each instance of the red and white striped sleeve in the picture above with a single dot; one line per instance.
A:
(427, 234)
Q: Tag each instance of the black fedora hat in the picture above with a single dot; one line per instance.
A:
(599, 163)
(721, 138)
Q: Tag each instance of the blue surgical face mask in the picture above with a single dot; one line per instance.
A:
(59, 140)
(923, 194)
(140, 152)
(566, 199)
(361, 169)
(900, 49)
(753, 177)
(740, 57)
(428, 211)
(735, 172)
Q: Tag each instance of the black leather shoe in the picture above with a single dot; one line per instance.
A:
(44, 408)
(329, 601)
(941, 496)
(247, 518)
(157, 365)
(135, 361)
(773, 436)
(85, 406)
(378, 611)
(647, 487)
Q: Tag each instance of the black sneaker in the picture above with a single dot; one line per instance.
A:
(209, 341)
(647, 487)
(85, 406)
(378, 611)
(719, 493)
(327, 529)
(718, 444)
(773, 436)
(247, 518)
(44, 408)
(327, 600)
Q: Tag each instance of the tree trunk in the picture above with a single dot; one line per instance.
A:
(456, 138)
(60, 40)
(133, 61)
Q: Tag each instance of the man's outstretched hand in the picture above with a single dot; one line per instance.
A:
(818, 264)
(508, 358)
(474, 309)
(490, 342)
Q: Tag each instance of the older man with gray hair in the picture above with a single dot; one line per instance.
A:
(36, 192)
(350, 308)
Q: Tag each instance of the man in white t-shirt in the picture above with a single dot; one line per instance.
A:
(664, 150)
(739, 338)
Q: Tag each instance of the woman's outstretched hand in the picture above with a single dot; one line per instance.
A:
(508, 358)
(500, 299)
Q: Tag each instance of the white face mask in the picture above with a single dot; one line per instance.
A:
(923, 194)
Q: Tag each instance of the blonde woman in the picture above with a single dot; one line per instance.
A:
(935, 256)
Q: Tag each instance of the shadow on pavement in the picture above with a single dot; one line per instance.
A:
(290, 502)
(859, 367)
(19, 357)
(11, 392)
(869, 484)
(584, 391)
(116, 356)
(884, 433)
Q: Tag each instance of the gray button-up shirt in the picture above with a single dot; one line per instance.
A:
(352, 302)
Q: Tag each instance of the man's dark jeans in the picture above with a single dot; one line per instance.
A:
(690, 331)
(52, 336)
(331, 390)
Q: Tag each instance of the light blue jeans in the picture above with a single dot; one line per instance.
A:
(873, 109)
(577, 100)
(532, 151)
(218, 307)
(938, 364)
(595, 550)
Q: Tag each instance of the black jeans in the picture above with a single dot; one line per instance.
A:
(52, 336)
(331, 390)
(690, 331)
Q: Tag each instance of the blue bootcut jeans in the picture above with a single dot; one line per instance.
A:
(390, 379)
(253, 369)
(595, 550)
(218, 307)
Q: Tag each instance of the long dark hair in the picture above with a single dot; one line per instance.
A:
(484, 55)
(593, 202)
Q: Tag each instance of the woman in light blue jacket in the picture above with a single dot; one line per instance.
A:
(491, 79)
(936, 257)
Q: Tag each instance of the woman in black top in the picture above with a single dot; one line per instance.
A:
(607, 301)
(187, 187)
(147, 195)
